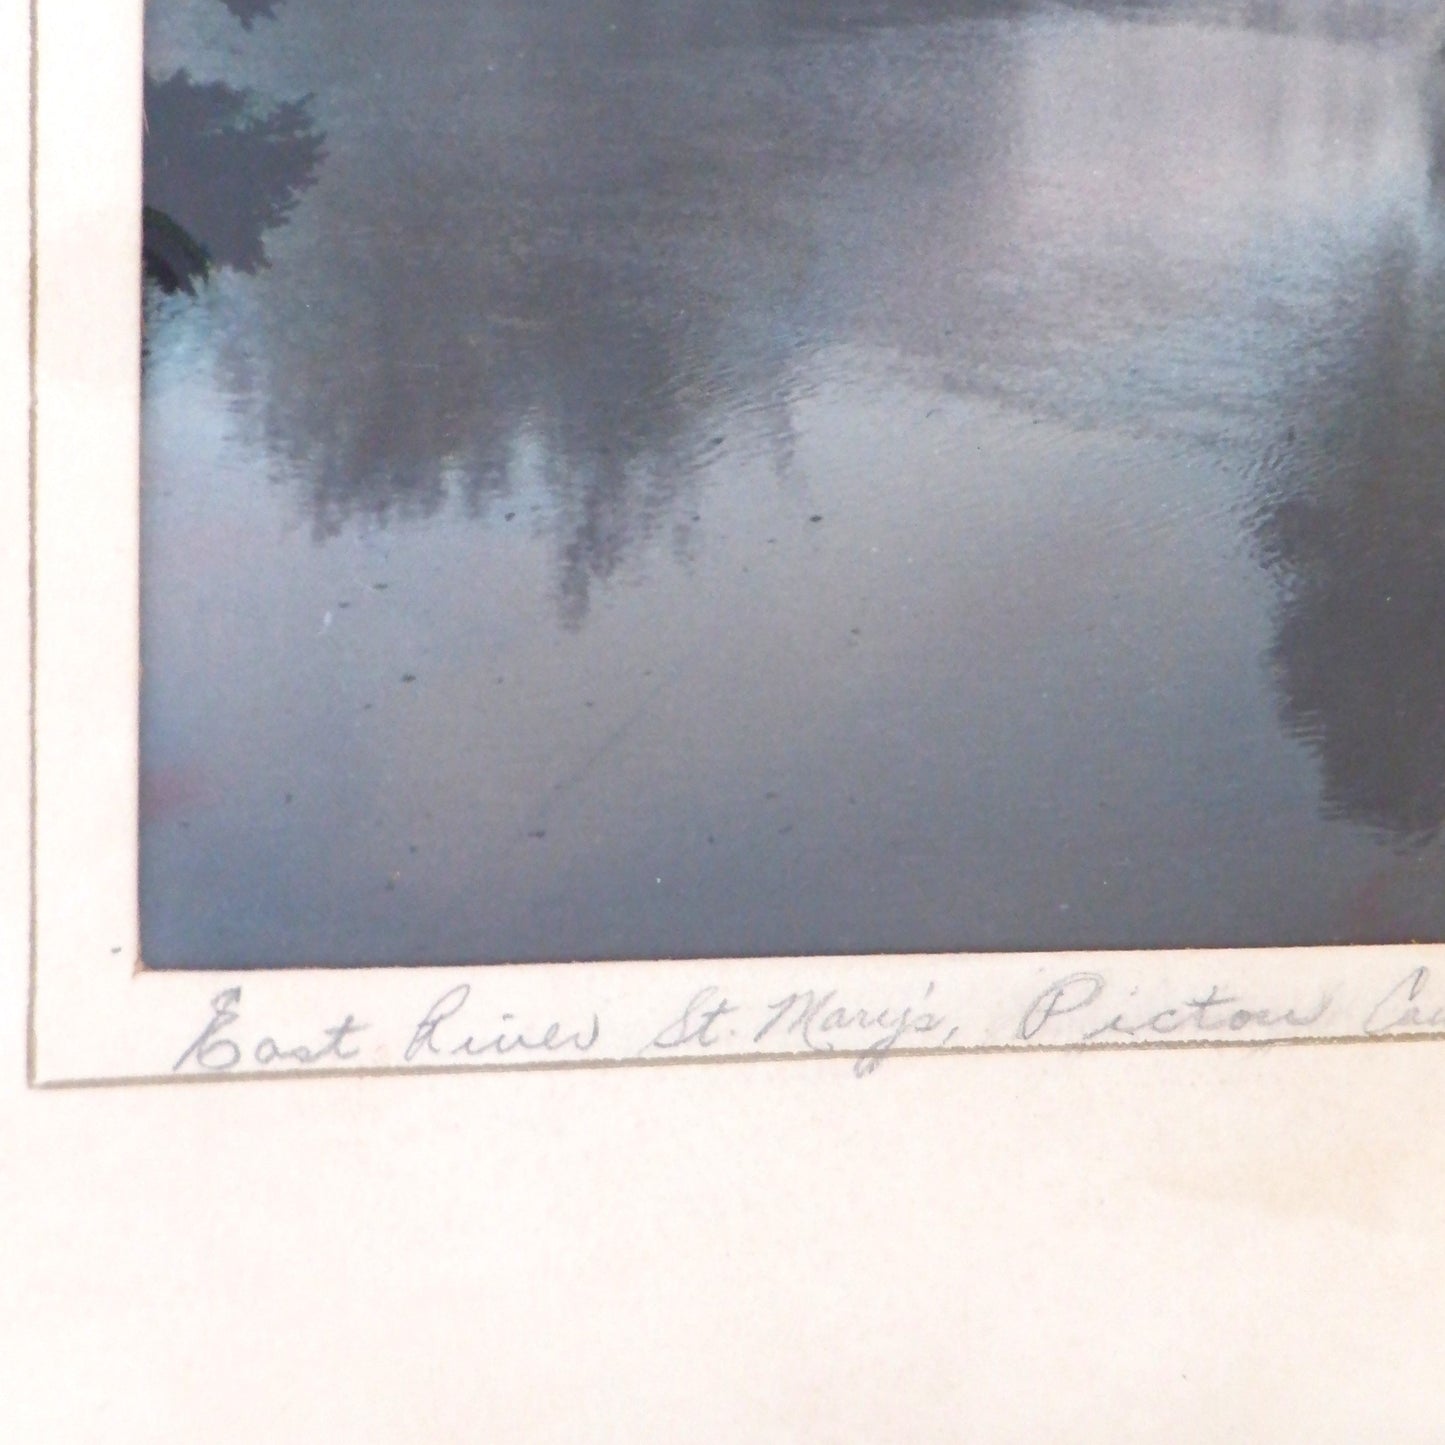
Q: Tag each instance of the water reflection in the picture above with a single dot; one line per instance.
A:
(221, 171)
(249, 11)
(1355, 534)
(947, 343)
(612, 234)
(610, 249)
(252, 10)
(473, 337)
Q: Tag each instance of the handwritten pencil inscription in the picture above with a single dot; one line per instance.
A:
(220, 1047)
(805, 1020)
(1410, 1007)
(463, 1025)
(446, 1032)
(1081, 998)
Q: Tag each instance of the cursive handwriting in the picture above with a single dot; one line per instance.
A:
(1212, 1012)
(441, 1032)
(821, 1021)
(818, 1023)
(697, 1023)
(216, 1050)
(1399, 1011)
(738, 1020)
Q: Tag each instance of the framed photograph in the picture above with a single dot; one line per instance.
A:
(572, 534)
(562, 539)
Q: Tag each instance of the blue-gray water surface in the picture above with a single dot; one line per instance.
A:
(661, 478)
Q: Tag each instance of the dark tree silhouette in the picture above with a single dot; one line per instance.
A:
(174, 259)
(249, 11)
(220, 171)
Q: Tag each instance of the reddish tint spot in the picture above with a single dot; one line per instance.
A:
(167, 792)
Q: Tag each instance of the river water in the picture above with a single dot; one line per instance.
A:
(659, 478)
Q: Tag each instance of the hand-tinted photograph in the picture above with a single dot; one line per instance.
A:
(646, 479)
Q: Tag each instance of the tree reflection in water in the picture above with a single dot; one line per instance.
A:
(249, 11)
(565, 252)
(1355, 533)
(220, 172)
(599, 256)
